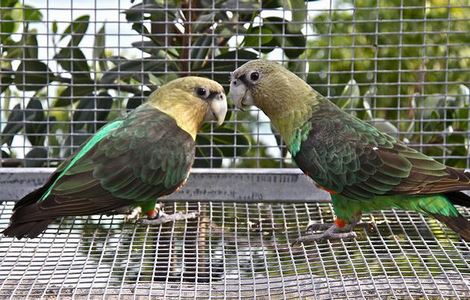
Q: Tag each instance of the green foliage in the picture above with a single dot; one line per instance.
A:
(370, 74)
(177, 41)
(406, 65)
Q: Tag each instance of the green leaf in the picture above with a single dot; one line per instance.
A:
(211, 148)
(4, 154)
(31, 14)
(226, 63)
(77, 30)
(8, 3)
(36, 125)
(55, 27)
(72, 94)
(349, 96)
(134, 69)
(292, 42)
(200, 50)
(299, 67)
(14, 125)
(150, 48)
(32, 75)
(104, 104)
(463, 98)
(206, 156)
(7, 28)
(462, 122)
(436, 103)
(385, 126)
(137, 12)
(74, 61)
(257, 36)
(367, 101)
(99, 48)
(224, 138)
(35, 158)
(134, 102)
(27, 47)
(204, 21)
(91, 109)
(6, 78)
(299, 13)
(30, 40)
(74, 141)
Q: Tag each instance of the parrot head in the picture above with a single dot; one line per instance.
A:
(191, 101)
(265, 84)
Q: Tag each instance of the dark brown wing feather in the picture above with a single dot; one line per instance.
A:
(349, 156)
(147, 157)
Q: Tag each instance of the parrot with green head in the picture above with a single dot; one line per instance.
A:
(131, 161)
(361, 167)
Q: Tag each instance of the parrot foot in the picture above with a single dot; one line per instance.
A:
(332, 233)
(312, 226)
(165, 218)
(132, 215)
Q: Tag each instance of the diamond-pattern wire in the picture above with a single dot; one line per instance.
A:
(236, 250)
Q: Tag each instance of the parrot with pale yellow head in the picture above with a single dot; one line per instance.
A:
(361, 167)
(131, 161)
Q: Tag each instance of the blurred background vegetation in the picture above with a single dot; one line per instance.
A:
(400, 65)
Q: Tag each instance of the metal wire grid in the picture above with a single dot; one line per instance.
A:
(236, 250)
(393, 39)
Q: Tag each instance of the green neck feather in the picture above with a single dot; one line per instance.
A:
(289, 102)
(293, 121)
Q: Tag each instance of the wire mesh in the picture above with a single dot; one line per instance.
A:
(67, 67)
(236, 250)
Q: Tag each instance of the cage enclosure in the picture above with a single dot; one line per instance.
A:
(69, 67)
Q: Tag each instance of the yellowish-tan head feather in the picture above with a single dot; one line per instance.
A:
(190, 101)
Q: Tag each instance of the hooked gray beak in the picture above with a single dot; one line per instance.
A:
(217, 109)
(240, 94)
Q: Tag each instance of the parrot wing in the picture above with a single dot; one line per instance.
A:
(347, 155)
(140, 158)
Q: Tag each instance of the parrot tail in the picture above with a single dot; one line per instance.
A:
(31, 216)
(457, 223)
(458, 198)
(28, 229)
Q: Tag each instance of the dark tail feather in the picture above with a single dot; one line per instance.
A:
(458, 198)
(30, 220)
(458, 224)
(28, 230)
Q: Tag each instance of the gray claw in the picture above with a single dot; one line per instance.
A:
(164, 218)
(312, 226)
(332, 233)
(322, 236)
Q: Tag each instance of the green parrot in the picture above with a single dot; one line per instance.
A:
(131, 161)
(361, 167)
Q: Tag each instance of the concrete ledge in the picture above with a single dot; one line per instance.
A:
(250, 185)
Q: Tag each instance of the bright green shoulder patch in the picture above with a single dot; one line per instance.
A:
(90, 144)
(300, 135)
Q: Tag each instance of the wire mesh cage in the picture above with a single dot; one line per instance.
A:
(68, 67)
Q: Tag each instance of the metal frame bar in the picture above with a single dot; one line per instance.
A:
(247, 185)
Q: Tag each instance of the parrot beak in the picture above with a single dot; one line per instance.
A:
(217, 109)
(240, 94)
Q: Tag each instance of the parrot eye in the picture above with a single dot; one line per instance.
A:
(254, 76)
(202, 92)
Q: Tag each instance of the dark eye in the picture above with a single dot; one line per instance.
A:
(254, 76)
(202, 92)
